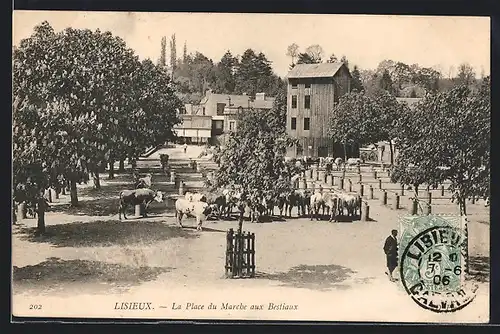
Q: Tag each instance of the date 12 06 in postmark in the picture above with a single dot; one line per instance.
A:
(432, 262)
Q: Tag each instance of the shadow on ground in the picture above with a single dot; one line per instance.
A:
(315, 277)
(479, 267)
(55, 274)
(106, 233)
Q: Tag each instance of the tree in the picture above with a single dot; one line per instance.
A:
(225, 79)
(333, 59)
(315, 52)
(345, 61)
(173, 54)
(357, 84)
(253, 159)
(390, 113)
(184, 53)
(80, 102)
(292, 51)
(355, 120)
(305, 58)
(163, 52)
(466, 75)
(254, 73)
(450, 143)
(385, 82)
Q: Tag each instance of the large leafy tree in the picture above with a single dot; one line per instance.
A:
(390, 114)
(447, 137)
(355, 120)
(80, 102)
(253, 158)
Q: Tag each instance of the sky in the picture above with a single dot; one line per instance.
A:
(440, 42)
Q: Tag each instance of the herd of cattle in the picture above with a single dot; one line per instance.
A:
(204, 206)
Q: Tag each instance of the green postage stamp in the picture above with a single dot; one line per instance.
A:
(432, 265)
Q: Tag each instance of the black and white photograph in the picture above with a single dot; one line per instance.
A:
(250, 166)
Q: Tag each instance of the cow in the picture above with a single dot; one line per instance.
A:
(351, 202)
(138, 196)
(199, 210)
(353, 162)
(331, 202)
(144, 182)
(303, 200)
(316, 204)
(195, 197)
(338, 163)
(232, 198)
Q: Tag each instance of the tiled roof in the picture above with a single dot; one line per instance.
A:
(236, 100)
(263, 104)
(322, 70)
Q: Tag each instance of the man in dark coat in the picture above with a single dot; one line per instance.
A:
(391, 252)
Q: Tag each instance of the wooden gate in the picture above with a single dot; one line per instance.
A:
(240, 254)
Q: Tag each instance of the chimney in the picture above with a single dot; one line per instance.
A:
(260, 96)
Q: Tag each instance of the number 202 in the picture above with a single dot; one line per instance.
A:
(35, 307)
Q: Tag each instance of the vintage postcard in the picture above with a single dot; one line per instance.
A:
(195, 166)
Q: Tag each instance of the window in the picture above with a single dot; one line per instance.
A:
(220, 109)
(294, 123)
(307, 102)
(308, 85)
(294, 101)
(307, 123)
(231, 125)
(294, 84)
(203, 111)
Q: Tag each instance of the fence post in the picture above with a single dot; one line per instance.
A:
(252, 253)
(341, 183)
(343, 174)
(442, 190)
(329, 179)
(380, 183)
(395, 202)
(429, 208)
(384, 197)
(359, 170)
(370, 192)
(361, 189)
(360, 178)
(429, 197)
(402, 190)
(414, 207)
(374, 174)
(139, 210)
(365, 213)
(229, 253)
(21, 211)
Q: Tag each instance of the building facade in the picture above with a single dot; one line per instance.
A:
(217, 115)
(312, 91)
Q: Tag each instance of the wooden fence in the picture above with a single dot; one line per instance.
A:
(240, 254)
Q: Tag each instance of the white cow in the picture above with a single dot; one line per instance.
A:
(195, 197)
(199, 210)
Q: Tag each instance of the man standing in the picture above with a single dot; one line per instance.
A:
(391, 252)
(185, 147)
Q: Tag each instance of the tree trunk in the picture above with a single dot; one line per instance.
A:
(111, 174)
(240, 222)
(392, 152)
(465, 244)
(73, 193)
(345, 152)
(121, 167)
(97, 181)
(40, 227)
